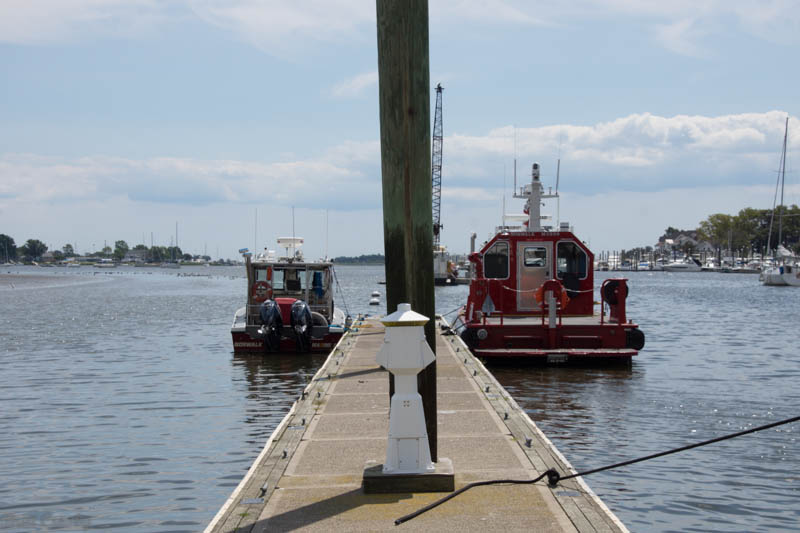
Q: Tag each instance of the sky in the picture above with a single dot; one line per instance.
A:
(242, 121)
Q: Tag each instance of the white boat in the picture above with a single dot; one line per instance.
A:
(689, 264)
(785, 271)
(105, 263)
(374, 301)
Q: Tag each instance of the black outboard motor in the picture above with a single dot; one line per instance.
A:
(272, 323)
(302, 323)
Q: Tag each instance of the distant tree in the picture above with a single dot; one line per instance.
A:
(34, 249)
(106, 251)
(58, 255)
(120, 249)
(68, 250)
(187, 257)
(8, 250)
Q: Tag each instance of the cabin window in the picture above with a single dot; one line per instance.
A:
(277, 280)
(261, 274)
(535, 256)
(495, 261)
(571, 260)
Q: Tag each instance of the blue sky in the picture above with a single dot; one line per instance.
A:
(120, 117)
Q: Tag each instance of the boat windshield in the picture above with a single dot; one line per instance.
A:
(495, 261)
(571, 260)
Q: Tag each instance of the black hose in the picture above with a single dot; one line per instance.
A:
(553, 477)
(465, 488)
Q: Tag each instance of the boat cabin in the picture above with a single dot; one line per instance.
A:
(286, 281)
(512, 266)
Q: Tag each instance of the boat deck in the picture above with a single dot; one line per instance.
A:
(309, 475)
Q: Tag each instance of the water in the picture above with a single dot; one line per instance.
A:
(123, 409)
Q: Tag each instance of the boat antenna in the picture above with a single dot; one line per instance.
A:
(515, 159)
(293, 251)
(255, 233)
(504, 194)
(326, 235)
(558, 173)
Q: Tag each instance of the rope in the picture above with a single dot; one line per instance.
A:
(339, 287)
(553, 477)
(536, 289)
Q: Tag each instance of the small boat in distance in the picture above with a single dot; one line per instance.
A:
(532, 295)
(289, 307)
(688, 264)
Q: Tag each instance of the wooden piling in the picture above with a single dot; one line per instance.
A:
(404, 93)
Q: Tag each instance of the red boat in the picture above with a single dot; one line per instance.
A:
(532, 295)
(289, 305)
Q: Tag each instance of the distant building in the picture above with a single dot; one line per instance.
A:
(135, 256)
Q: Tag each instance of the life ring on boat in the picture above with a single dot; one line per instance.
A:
(558, 292)
(261, 291)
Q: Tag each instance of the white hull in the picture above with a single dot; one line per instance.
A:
(779, 277)
(681, 267)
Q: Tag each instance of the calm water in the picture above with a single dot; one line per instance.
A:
(123, 409)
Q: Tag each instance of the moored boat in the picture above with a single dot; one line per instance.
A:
(290, 307)
(689, 264)
(532, 295)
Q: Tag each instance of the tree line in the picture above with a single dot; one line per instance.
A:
(34, 250)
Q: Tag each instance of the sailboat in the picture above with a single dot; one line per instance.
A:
(784, 271)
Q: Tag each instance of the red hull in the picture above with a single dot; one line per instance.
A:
(574, 339)
(243, 344)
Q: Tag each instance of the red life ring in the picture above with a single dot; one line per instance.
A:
(558, 292)
(261, 291)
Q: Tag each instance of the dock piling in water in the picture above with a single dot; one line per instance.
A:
(404, 95)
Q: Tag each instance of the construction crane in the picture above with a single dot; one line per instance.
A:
(436, 171)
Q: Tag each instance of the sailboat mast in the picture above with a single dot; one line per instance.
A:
(783, 179)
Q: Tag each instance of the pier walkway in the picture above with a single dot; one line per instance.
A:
(308, 476)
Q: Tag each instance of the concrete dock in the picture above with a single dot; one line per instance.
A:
(308, 476)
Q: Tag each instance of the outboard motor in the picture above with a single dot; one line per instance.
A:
(271, 325)
(302, 323)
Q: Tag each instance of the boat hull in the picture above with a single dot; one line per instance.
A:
(244, 344)
(576, 339)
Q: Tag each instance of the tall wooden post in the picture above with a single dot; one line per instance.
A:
(404, 89)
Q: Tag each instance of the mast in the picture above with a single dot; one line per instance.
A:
(781, 179)
(436, 171)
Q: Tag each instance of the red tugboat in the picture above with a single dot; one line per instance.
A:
(532, 295)
(289, 305)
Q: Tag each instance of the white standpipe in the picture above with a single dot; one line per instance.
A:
(404, 353)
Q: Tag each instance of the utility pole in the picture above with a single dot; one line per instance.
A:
(404, 95)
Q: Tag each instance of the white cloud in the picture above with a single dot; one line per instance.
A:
(55, 21)
(290, 29)
(681, 37)
(355, 86)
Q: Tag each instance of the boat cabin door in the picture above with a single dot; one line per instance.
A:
(534, 260)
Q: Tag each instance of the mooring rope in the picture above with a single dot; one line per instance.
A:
(553, 477)
(336, 279)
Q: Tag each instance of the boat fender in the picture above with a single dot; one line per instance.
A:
(610, 292)
(634, 338)
(261, 291)
(558, 293)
